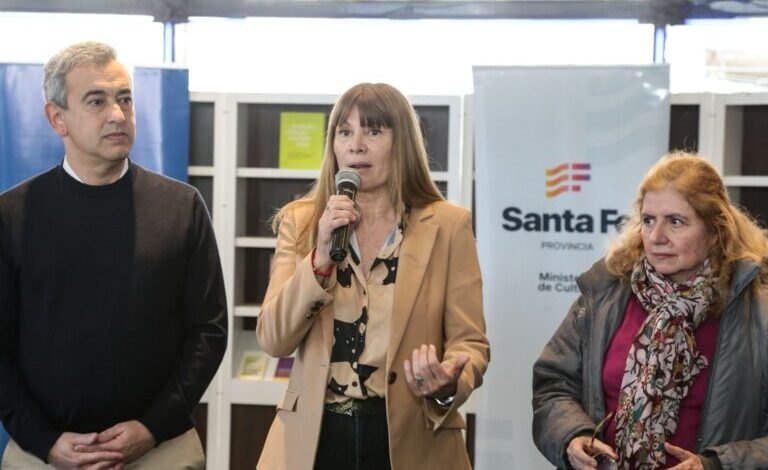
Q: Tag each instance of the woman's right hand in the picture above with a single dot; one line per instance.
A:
(580, 453)
(339, 211)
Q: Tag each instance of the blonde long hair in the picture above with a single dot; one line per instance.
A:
(738, 237)
(409, 185)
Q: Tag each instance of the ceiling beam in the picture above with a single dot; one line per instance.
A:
(177, 11)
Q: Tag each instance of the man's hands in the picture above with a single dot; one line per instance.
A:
(108, 450)
(129, 438)
(64, 456)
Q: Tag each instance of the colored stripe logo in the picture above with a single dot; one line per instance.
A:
(561, 178)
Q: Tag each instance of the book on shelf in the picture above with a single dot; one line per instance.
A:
(302, 136)
(283, 369)
(253, 365)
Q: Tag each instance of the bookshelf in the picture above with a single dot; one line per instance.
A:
(201, 172)
(732, 131)
(234, 162)
(741, 126)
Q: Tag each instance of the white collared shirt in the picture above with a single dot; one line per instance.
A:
(71, 172)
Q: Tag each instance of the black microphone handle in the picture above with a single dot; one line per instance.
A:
(340, 235)
(339, 241)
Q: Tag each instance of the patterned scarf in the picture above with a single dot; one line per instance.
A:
(662, 364)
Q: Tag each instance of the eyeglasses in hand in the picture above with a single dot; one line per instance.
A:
(604, 461)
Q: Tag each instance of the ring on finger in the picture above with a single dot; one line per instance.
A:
(419, 381)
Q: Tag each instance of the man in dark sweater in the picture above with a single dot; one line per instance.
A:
(112, 308)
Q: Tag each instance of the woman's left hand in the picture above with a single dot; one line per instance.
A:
(688, 460)
(428, 377)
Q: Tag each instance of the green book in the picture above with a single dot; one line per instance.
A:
(252, 365)
(302, 136)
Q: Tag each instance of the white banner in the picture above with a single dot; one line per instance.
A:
(559, 154)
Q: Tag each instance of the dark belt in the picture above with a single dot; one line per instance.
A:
(354, 407)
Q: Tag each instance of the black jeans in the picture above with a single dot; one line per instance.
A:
(353, 442)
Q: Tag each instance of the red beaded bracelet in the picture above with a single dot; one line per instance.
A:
(325, 273)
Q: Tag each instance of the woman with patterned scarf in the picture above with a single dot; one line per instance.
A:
(662, 361)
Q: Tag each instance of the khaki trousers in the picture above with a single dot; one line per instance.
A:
(180, 453)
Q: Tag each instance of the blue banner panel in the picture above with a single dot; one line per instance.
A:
(27, 143)
(29, 146)
(3, 441)
(162, 120)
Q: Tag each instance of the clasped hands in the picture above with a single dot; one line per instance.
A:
(108, 450)
(428, 377)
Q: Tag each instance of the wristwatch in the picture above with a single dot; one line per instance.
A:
(446, 402)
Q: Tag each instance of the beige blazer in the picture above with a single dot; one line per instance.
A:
(437, 299)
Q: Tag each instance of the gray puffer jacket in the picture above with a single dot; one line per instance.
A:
(567, 389)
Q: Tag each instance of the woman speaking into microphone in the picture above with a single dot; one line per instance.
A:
(389, 340)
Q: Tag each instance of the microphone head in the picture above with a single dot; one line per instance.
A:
(348, 176)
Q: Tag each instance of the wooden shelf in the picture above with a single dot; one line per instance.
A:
(200, 171)
(746, 181)
(255, 242)
(247, 311)
(277, 173)
(257, 392)
(253, 392)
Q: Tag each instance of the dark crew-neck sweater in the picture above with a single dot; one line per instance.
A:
(112, 306)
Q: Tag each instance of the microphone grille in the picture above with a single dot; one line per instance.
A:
(348, 175)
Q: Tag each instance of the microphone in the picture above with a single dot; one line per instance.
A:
(347, 182)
